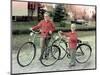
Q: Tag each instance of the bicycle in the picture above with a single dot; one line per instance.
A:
(27, 52)
(83, 50)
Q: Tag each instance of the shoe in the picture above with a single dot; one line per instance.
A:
(46, 57)
(41, 58)
(72, 64)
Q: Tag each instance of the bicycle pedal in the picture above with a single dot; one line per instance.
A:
(46, 58)
(68, 56)
(41, 58)
(78, 54)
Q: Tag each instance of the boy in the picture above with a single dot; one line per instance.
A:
(46, 27)
(72, 42)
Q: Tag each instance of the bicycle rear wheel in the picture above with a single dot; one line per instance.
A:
(83, 53)
(62, 45)
(47, 58)
(26, 54)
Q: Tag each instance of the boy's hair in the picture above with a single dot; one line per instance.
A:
(46, 14)
(73, 26)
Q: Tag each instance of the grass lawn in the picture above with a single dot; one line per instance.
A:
(18, 40)
(22, 25)
(26, 25)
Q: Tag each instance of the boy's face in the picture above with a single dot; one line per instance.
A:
(73, 28)
(46, 18)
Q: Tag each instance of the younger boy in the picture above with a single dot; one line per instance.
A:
(72, 42)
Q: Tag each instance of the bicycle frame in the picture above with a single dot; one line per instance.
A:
(61, 38)
(33, 36)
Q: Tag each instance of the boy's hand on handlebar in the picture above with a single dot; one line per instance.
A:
(30, 29)
(60, 32)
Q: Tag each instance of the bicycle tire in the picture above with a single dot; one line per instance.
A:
(63, 50)
(49, 59)
(25, 51)
(80, 54)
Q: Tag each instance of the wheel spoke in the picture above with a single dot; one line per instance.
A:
(63, 47)
(26, 54)
(50, 60)
(83, 53)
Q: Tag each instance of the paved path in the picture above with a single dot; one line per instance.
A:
(60, 65)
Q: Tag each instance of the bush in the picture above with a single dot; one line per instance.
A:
(59, 13)
(61, 24)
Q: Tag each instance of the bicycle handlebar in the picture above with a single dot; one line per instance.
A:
(35, 32)
(59, 34)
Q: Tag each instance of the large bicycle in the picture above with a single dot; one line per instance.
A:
(27, 52)
(83, 52)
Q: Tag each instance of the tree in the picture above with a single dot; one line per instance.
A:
(31, 8)
(59, 13)
(41, 12)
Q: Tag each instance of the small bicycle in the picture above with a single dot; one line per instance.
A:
(83, 52)
(27, 52)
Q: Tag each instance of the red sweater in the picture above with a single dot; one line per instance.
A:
(72, 39)
(45, 27)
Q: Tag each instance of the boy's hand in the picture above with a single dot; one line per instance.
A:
(30, 29)
(68, 38)
(60, 32)
(50, 32)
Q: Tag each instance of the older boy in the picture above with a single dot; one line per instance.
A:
(46, 28)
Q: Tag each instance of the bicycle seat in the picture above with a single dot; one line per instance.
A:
(79, 41)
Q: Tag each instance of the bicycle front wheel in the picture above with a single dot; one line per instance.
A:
(47, 59)
(26, 54)
(62, 45)
(83, 53)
